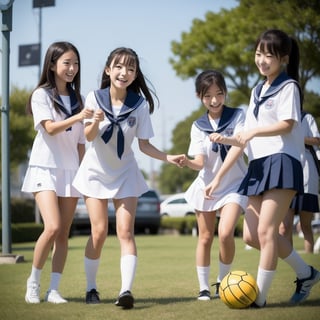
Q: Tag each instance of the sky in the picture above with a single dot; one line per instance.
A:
(97, 27)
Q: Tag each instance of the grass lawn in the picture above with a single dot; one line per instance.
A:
(165, 287)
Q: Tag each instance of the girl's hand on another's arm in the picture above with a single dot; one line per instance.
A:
(216, 137)
(92, 128)
(86, 113)
(244, 136)
(98, 115)
(230, 141)
(197, 163)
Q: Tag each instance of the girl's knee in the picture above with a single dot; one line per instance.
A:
(51, 231)
(99, 234)
(205, 240)
(125, 235)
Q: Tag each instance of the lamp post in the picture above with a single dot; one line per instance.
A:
(6, 10)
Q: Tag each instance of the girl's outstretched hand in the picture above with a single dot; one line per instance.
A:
(183, 162)
(178, 160)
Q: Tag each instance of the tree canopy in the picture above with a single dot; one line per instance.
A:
(225, 41)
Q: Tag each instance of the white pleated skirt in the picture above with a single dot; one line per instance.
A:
(195, 197)
(58, 180)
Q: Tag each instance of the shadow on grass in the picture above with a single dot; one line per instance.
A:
(146, 303)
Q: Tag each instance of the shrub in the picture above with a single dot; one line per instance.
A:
(22, 210)
(24, 232)
(184, 225)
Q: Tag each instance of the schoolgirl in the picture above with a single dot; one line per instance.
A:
(109, 170)
(211, 137)
(274, 140)
(57, 109)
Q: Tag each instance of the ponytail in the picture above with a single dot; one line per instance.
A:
(294, 60)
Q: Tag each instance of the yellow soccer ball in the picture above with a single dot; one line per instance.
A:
(238, 289)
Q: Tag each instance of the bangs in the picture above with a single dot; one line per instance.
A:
(267, 46)
(270, 44)
(125, 59)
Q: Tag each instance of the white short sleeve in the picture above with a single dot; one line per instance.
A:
(197, 141)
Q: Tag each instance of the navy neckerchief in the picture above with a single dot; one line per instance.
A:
(73, 102)
(277, 84)
(132, 102)
(311, 149)
(227, 116)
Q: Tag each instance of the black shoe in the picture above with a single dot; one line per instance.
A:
(253, 305)
(125, 300)
(92, 297)
(204, 295)
(217, 285)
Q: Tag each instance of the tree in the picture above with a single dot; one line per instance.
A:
(225, 41)
(21, 128)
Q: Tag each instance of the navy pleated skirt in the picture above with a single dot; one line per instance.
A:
(305, 202)
(278, 171)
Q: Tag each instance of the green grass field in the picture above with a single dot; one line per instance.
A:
(165, 287)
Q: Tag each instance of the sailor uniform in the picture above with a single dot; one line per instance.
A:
(54, 159)
(275, 161)
(230, 123)
(109, 169)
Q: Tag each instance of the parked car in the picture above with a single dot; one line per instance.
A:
(176, 206)
(148, 217)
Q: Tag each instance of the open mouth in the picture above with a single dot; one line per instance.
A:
(215, 106)
(122, 80)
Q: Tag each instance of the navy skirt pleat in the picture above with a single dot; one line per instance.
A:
(305, 202)
(278, 171)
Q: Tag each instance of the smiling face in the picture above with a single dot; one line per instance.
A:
(66, 68)
(269, 64)
(213, 99)
(122, 72)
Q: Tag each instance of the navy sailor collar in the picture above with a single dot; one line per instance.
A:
(74, 103)
(277, 84)
(227, 116)
(133, 101)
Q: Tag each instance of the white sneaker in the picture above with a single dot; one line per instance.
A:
(53, 296)
(33, 292)
(204, 295)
